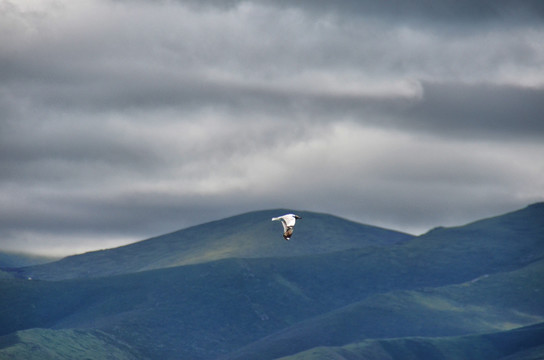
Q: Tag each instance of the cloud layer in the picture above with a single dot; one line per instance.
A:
(121, 120)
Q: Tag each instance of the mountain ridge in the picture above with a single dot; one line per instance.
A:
(248, 235)
(481, 277)
(519, 344)
(455, 309)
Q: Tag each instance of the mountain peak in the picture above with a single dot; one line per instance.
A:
(248, 235)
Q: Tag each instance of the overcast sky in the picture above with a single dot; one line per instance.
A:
(122, 120)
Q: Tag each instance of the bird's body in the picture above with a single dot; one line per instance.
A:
(288, 221)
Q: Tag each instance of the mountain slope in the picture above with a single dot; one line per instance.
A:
(484, 304)
(525, 343)
(202, 311)
(12, 260)
(504, 241)
(249, 235)
(484, 276)
(44, 344)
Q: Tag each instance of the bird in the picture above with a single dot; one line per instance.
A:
(288, 221)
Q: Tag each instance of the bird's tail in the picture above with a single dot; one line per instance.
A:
(276, 218)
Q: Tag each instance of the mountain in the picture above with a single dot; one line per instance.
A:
(250, 235)
(10, 261)
(46, 344)
(484, 304)
(14, 260)
(484, 277)
(519, 344)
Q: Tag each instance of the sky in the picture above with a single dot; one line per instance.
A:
(126, 119)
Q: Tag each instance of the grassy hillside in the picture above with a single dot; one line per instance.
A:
(503, 242)
(250, 235)
(6, 275)
(520, 344)
(485, 276)
(45, 344)
(205, 310)
(185, 312)
(496, 302)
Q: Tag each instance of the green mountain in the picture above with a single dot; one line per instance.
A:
(250, 235)
(45, 344)
(519, 344)
(483, 277)
(484, 304)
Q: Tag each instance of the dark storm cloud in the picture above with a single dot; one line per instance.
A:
(121, 120)
(119, 75)
(449, 10)
(475, 111)
(480, 110)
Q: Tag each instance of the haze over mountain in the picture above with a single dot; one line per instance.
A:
(242, 298)
(9, 259)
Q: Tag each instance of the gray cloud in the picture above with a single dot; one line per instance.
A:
(127, 119)
(476, 111)
(449, 10)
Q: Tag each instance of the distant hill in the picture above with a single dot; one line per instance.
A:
(524, 343)
(479, 278)
(14, 260)
(250, 235)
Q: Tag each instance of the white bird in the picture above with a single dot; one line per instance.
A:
(288, 221)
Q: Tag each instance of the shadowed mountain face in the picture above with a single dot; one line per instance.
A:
(480, 305)
(334, 289)
(251, 235)
(519, 344)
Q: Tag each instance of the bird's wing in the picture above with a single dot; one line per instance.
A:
(289, 220)
(284, 224)
(282, 218)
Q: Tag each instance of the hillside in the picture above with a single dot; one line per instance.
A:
(14, 260)
(480, 305)
(202, 311)
(525, 343)
(479, 278)
(250, 235)
(10, 262)
(45, 344)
